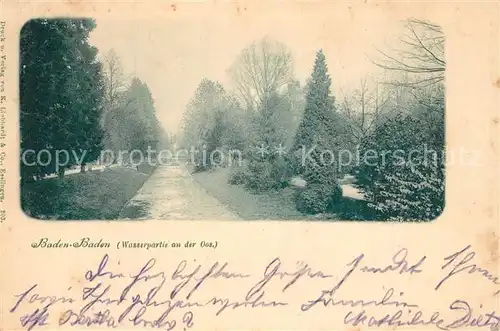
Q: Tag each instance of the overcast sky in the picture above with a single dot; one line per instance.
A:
(172, 56)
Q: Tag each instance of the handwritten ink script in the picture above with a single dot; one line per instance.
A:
(147, 296)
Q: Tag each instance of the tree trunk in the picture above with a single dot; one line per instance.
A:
(60, 173)
(82, 168)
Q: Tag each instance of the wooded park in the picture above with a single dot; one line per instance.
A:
(383, 138)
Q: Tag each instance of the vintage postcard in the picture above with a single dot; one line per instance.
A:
(267, 165)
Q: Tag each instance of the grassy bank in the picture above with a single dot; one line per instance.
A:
(245, 204)
(83, 196)
(274, 205)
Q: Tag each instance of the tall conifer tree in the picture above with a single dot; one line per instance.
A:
(61, 93)
(316, 138)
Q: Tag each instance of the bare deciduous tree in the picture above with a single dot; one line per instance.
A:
(115, 78)
(261, 69)
(363, 107)
(116, 83)
(422, 55)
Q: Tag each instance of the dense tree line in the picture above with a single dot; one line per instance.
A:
(401, 111)
(61, 93)
(70, 101)
(212, 121)
(129, 121)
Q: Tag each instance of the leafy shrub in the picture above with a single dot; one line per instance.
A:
(404, 189)
(238, 177)
(279, 173)
(335, 196)
(262, 176)
(259, 176)
(317, 198)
